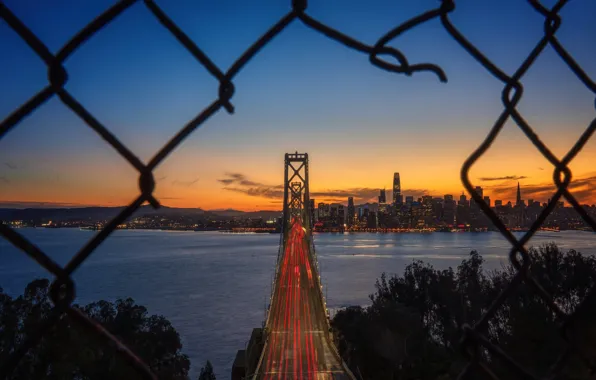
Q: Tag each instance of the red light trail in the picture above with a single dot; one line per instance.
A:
(297, 345)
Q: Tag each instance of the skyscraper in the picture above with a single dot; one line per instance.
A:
(449, 208)
(519, 204)
(371, 220)
(473, 205)
(351, 212)
(323, 210)
(382, 203)
(397, 198)
(382, 197)
(475, 212)
(463, 200)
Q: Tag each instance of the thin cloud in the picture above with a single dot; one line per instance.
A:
(361, 193)
(28, 204)
(505, 178)
(184, 183)
(585, 193)
(242, 180)
(261, 191)
(4, 180)
(583, 189)
(10, 165)
(240, 183)
(333, 200)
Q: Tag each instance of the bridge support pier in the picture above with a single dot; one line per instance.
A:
(246, 361)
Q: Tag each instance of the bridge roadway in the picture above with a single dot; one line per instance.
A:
(298, 345)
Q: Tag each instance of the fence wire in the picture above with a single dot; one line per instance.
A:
(474, 339)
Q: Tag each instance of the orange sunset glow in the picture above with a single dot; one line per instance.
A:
(232, 182)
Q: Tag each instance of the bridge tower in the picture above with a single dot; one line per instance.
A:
(296, 193)
(296, 341)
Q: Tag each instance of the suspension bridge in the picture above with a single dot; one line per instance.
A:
(296, 341)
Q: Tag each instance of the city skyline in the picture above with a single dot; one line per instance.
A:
(302, 92)
(431, 213)
(506, 190)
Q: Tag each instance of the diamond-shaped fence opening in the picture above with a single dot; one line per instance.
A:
(144, 45)
(476, 346)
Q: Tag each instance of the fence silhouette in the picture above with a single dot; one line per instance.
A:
(473, 339)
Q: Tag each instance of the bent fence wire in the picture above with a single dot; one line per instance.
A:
(474, 340)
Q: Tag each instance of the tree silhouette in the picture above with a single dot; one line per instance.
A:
(412, 328)
(207, 372)
(68, 351)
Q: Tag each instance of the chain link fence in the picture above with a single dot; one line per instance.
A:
(474, 340)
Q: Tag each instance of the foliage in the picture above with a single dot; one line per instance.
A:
(412, 328)
(207, 372)
(70, 351)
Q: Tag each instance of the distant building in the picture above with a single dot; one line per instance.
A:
(341, 216)
(449, 208)
(520, 207)
(462, 215)
(476, 215)
(438, 205)
(498, 203)
(428, 210)
(487, 200)
(409, 200)
(337, 214)
(323, 211)
(371, 220)
(480, 193)
(397, 197)
(382, 197)
(333, 211)
(463, 200)
(351, 212)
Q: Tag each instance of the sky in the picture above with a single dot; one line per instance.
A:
(303, 92)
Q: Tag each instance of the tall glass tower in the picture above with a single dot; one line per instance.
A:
(397, 197)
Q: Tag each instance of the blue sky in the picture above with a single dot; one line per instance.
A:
(302, 92)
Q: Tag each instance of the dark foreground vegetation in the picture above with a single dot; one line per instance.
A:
(412, 328)
(69, 351)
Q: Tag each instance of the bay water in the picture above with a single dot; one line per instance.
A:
(214, 286)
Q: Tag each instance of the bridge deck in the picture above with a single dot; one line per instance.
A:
(298, 346)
